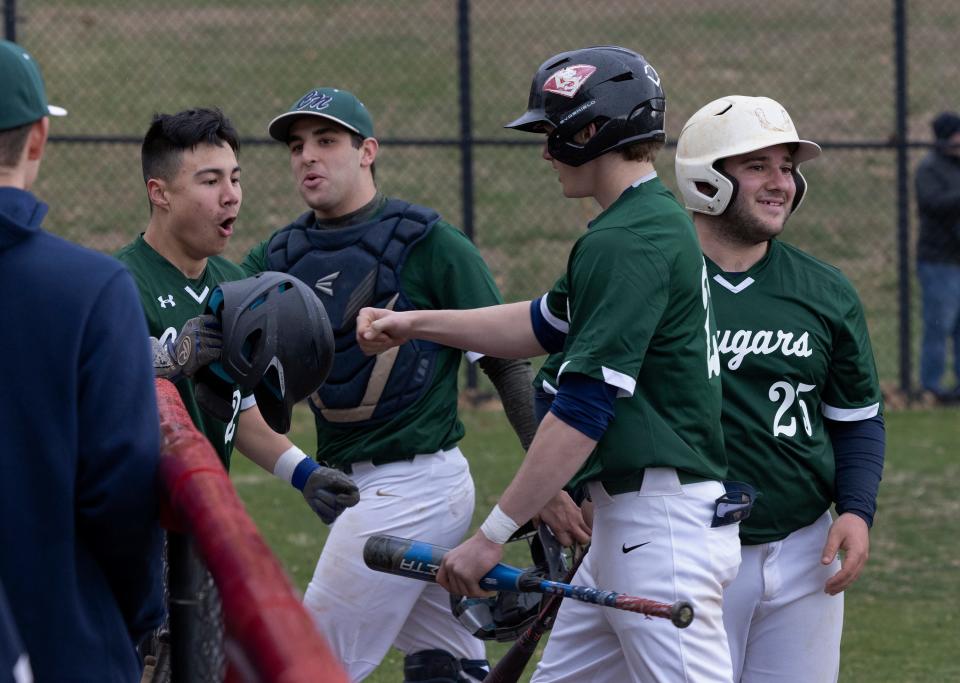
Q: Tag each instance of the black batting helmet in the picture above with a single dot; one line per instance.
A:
(613, 87)
(277, 341)
(506, 615)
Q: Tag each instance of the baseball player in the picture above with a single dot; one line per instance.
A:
(390, 423)
(192, 177)
(801, 404)
(637, 413)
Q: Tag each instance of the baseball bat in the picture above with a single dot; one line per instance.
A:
(509, 667)
(420, 560)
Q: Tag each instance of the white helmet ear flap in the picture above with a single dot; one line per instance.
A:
(708, 186)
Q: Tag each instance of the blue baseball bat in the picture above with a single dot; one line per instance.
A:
(419, 560)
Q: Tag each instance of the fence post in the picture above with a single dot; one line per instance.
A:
(903, 192)
(10, 20)
(184, 582)
(466, 136)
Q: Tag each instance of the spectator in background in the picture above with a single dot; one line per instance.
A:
(938, 256)
(79, 530)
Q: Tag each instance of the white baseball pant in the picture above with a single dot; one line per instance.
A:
(363, 612)
(654, 543)
(781, 626)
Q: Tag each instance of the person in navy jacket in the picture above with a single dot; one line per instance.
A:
(80, 539)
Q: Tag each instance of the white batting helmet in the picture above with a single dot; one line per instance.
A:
(727, 127)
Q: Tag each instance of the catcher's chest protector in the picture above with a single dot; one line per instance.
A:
(350, 268)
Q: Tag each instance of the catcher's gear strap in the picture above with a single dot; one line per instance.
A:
(513, 381)
(439, 666)
(858, 450)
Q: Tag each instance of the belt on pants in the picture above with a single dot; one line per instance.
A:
(347, 468)
(733, 506)
(635, 481)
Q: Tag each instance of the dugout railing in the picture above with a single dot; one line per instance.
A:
(267, 634)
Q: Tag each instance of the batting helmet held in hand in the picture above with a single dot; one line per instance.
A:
(728, 127)
(613, 87)
(277, 341)
(506, 615)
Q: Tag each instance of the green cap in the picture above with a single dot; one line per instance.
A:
(330, 103)
(24, 99)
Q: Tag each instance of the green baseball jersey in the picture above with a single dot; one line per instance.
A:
(442, 271)
(546, 378)
(639, 318)
(169, 299)
(794, 348)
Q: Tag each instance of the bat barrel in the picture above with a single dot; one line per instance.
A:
(403, 556)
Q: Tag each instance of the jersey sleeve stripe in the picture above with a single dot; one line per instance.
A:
(248, 402)
(473, 356)
(549, 388)
(552, 320)
(851, 414)
(625, 384)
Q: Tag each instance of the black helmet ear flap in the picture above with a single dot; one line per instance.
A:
(277, 341)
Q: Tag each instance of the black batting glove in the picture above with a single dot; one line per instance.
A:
(329, 492)
(199, 343)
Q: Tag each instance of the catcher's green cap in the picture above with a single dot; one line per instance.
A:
(337, 105)
(23, 99)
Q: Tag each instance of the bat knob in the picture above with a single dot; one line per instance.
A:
(681, 613)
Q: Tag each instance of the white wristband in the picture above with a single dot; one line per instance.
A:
(498, 526)
(287, 463)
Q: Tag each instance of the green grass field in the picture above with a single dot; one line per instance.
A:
(901, 623)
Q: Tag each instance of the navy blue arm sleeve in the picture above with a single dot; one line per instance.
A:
(549, 337)
(584, 403)
(858, 451)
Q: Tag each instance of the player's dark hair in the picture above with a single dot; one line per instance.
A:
(357, 140)
(170, 135)
(12, 142)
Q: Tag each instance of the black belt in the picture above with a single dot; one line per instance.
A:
(733, 506)
(347, 467)
(633, 482)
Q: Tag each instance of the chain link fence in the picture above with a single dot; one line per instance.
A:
(441, 77)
